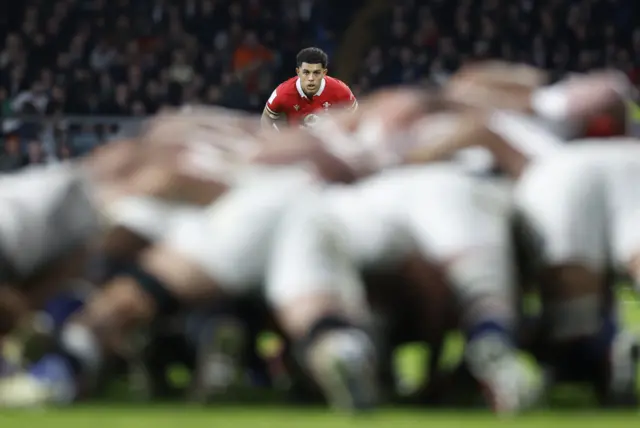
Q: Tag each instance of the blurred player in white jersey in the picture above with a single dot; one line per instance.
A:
(582, 205)
(452, 219)
(561, 197)
(514, 140)
(49, 217)
(167, 272)
(53, 213)
(47, 195)
(205, 255)
(447, 205)
(329, 149)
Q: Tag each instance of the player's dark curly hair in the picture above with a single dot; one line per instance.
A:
(312, 56)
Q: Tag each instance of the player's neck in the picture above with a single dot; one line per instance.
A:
(310, 94)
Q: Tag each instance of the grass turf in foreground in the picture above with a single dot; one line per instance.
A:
(243, 417)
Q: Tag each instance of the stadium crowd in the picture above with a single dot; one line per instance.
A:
(131, 58)
(430, 40)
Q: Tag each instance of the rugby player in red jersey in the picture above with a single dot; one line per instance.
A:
(299, 99)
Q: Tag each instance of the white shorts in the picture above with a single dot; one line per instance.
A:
(324, 241)
(584, 203)
(231, 240)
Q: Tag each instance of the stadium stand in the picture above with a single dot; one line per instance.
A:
(131, 58)
(125, 58)
(430, 39)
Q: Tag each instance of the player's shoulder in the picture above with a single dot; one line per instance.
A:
(288, 87)
(282, 95)
(336, 83)
(338, 89)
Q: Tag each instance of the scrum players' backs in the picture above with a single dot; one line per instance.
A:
(47, 212)
(289, 99)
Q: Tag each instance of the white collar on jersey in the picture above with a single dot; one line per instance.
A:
(323, 83)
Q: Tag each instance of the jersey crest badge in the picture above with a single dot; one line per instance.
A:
(296, 107)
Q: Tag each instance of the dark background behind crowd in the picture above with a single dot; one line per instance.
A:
(130, 58)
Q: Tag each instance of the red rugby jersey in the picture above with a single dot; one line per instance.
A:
(288, 99)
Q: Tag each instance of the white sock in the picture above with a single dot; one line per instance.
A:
(483, 286)
(81, 343)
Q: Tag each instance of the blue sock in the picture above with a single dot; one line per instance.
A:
(489, 327)
(59, 371)
(62, 307)
(597, 346)
(53, 367)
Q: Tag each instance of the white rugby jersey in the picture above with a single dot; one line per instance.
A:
(45, 212)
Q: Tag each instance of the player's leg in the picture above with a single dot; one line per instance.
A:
(622, 171)
(318, 297)
(563, 201)
(49, 216)
(623, 183)
(462, 223)
(13, 308)
(413, 304)
(129, 301)
(157, 284)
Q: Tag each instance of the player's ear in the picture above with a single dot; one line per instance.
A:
(325, 71)
(298, 71)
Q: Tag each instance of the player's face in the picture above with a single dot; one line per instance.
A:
(310, 76)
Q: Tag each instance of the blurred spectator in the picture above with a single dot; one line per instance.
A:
(180, 70)
(35, 96)
(5, 103)
(102, 56)
(249, 58)
(65, 153)
(12, 157)
(36, 153)
(234, 94)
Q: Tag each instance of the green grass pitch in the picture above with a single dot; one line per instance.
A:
(251, 417)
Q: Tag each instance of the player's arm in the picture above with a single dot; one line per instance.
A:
(575, 98)
(500, 73)
(582, 96)
(346, 97)
(440, 136)
(273, 113)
